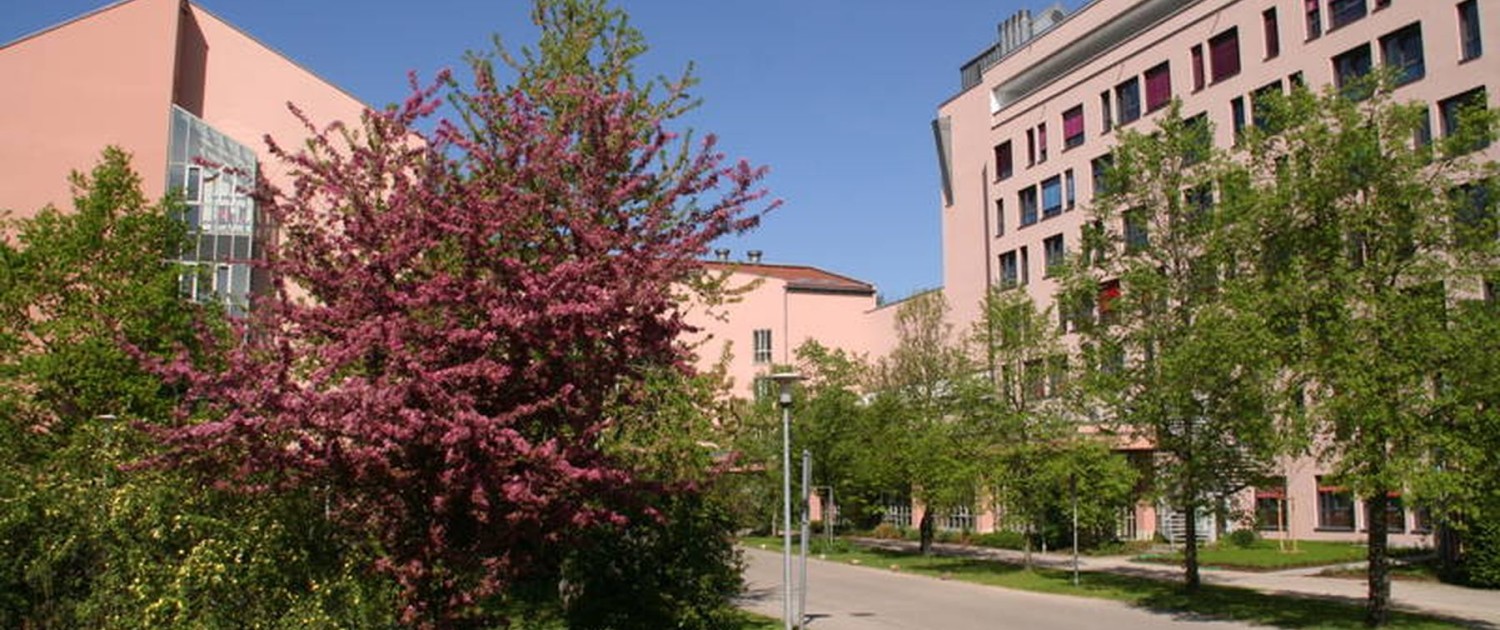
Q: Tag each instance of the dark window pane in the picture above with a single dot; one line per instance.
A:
(1224, 52)
(1402, 51)
(1158, 87)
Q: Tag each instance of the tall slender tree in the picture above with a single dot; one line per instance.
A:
(1176, 355)
(1366, 231)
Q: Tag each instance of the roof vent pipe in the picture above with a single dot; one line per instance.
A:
(753, 256)
(721, 254)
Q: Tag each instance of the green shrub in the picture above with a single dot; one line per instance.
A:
(1481, 559)
(1242, 538)
(887, 531)
(1001, 540)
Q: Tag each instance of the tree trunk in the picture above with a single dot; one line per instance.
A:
(925, 531)
(1029, 534)
(1378, 605)
(1190, 552)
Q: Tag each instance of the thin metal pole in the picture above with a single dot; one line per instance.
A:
(1074, 483)
(786, 509)
(806, 534)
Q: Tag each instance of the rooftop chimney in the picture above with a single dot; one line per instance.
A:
(721, 254)
(753, 256)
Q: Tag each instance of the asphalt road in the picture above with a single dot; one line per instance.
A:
(845, 597)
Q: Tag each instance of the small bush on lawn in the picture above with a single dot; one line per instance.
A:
(887, 531)
(1001, 540)
(1243, 538)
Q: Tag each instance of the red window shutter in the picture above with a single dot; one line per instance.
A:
(1197, 52)
(1158, 86)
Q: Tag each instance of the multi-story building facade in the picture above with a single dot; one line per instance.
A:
(191, 97)
(1022, 144)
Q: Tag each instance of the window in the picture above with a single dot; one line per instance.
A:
(192, 186)
(1073, 127)
(1272, 31)
(1030, 147)
(1224, 54)
(1335, 507)
(1237, 116)
(1004, 162)
(1343, 12)
(1351, 66)
(1041, 143)
(1395, 514)
(1137, 234)
(1027, 200)
(1197, 57)
(1260, 105)
(1402, 51)
(1052, 202)
(1055, 254)
(999, 217)
(763, 388)
(1421, 520)
(1468, 29)
(1422, 136)
(1100, 167)
(762, 337)
(1025, 266)
(1158, 87)
(1034, 375)
(1199, 137)
(1270, 503)
(1474, 214)
(1199, 201)
(1106, 113)
(1452, 112)
(1109, 292)
(1010, 270)
(1314, 18)
(1128, 100)
(1057, 374)
(1070, 190)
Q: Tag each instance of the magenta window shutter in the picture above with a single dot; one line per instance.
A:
(1158, 86)
(1225, 53)
(1073, 123)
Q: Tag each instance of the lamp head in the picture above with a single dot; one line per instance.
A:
(784, 381)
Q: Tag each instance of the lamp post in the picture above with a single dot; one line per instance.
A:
(784, 381)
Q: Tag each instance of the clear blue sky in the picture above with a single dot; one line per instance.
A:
(835, 96)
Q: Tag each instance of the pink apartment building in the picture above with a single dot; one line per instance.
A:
(1033, 122)
(175, 86)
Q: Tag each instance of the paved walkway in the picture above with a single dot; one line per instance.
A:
(1477, 607)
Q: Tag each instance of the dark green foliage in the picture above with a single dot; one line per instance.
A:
(1243, 538)
(676, 572)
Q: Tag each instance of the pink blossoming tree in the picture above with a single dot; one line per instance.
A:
(458, 304)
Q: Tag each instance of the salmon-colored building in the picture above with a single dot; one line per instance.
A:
(176, 87)
(1021, 143)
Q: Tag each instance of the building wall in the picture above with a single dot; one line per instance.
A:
(73, 89)
(1040, 81)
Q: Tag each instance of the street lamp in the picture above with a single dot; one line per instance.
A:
(785, 380)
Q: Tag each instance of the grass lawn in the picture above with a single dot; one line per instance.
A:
(1212, 601)
(1266, 555)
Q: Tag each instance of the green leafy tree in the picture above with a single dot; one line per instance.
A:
(1367, 232)
(1036, 455)
(1176, 354)
(921, 388)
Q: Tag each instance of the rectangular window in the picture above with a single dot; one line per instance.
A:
(1010, 270)
(1452, 109)
(1237, 116)
(192, 186)
(1100, 173)
(1422, 136)
(1335, 507)
(1199, 138)
(1052, 202)
(1349, 67)
(1270, 505)
(1026, 198)
(1395, 514)
(1158, 86)
(1106, 113)
(1196, 54)
(1109, 293)
(1004, 162)
(1314, 18)
(1421, 520)
(1344, 12)
(1070, 190)
(1137, 234)
(1260, 106)
(1272, 32)
(1041, 143)
(1055, 254)
(999, 217)
(1073, 127)
(1474, 215)
(762, 345)
(1025, 266)
(1224, 54)
(1128, 100)
(1468, 29)
(1030, 147)
(1034, 375)
(1402, 52)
